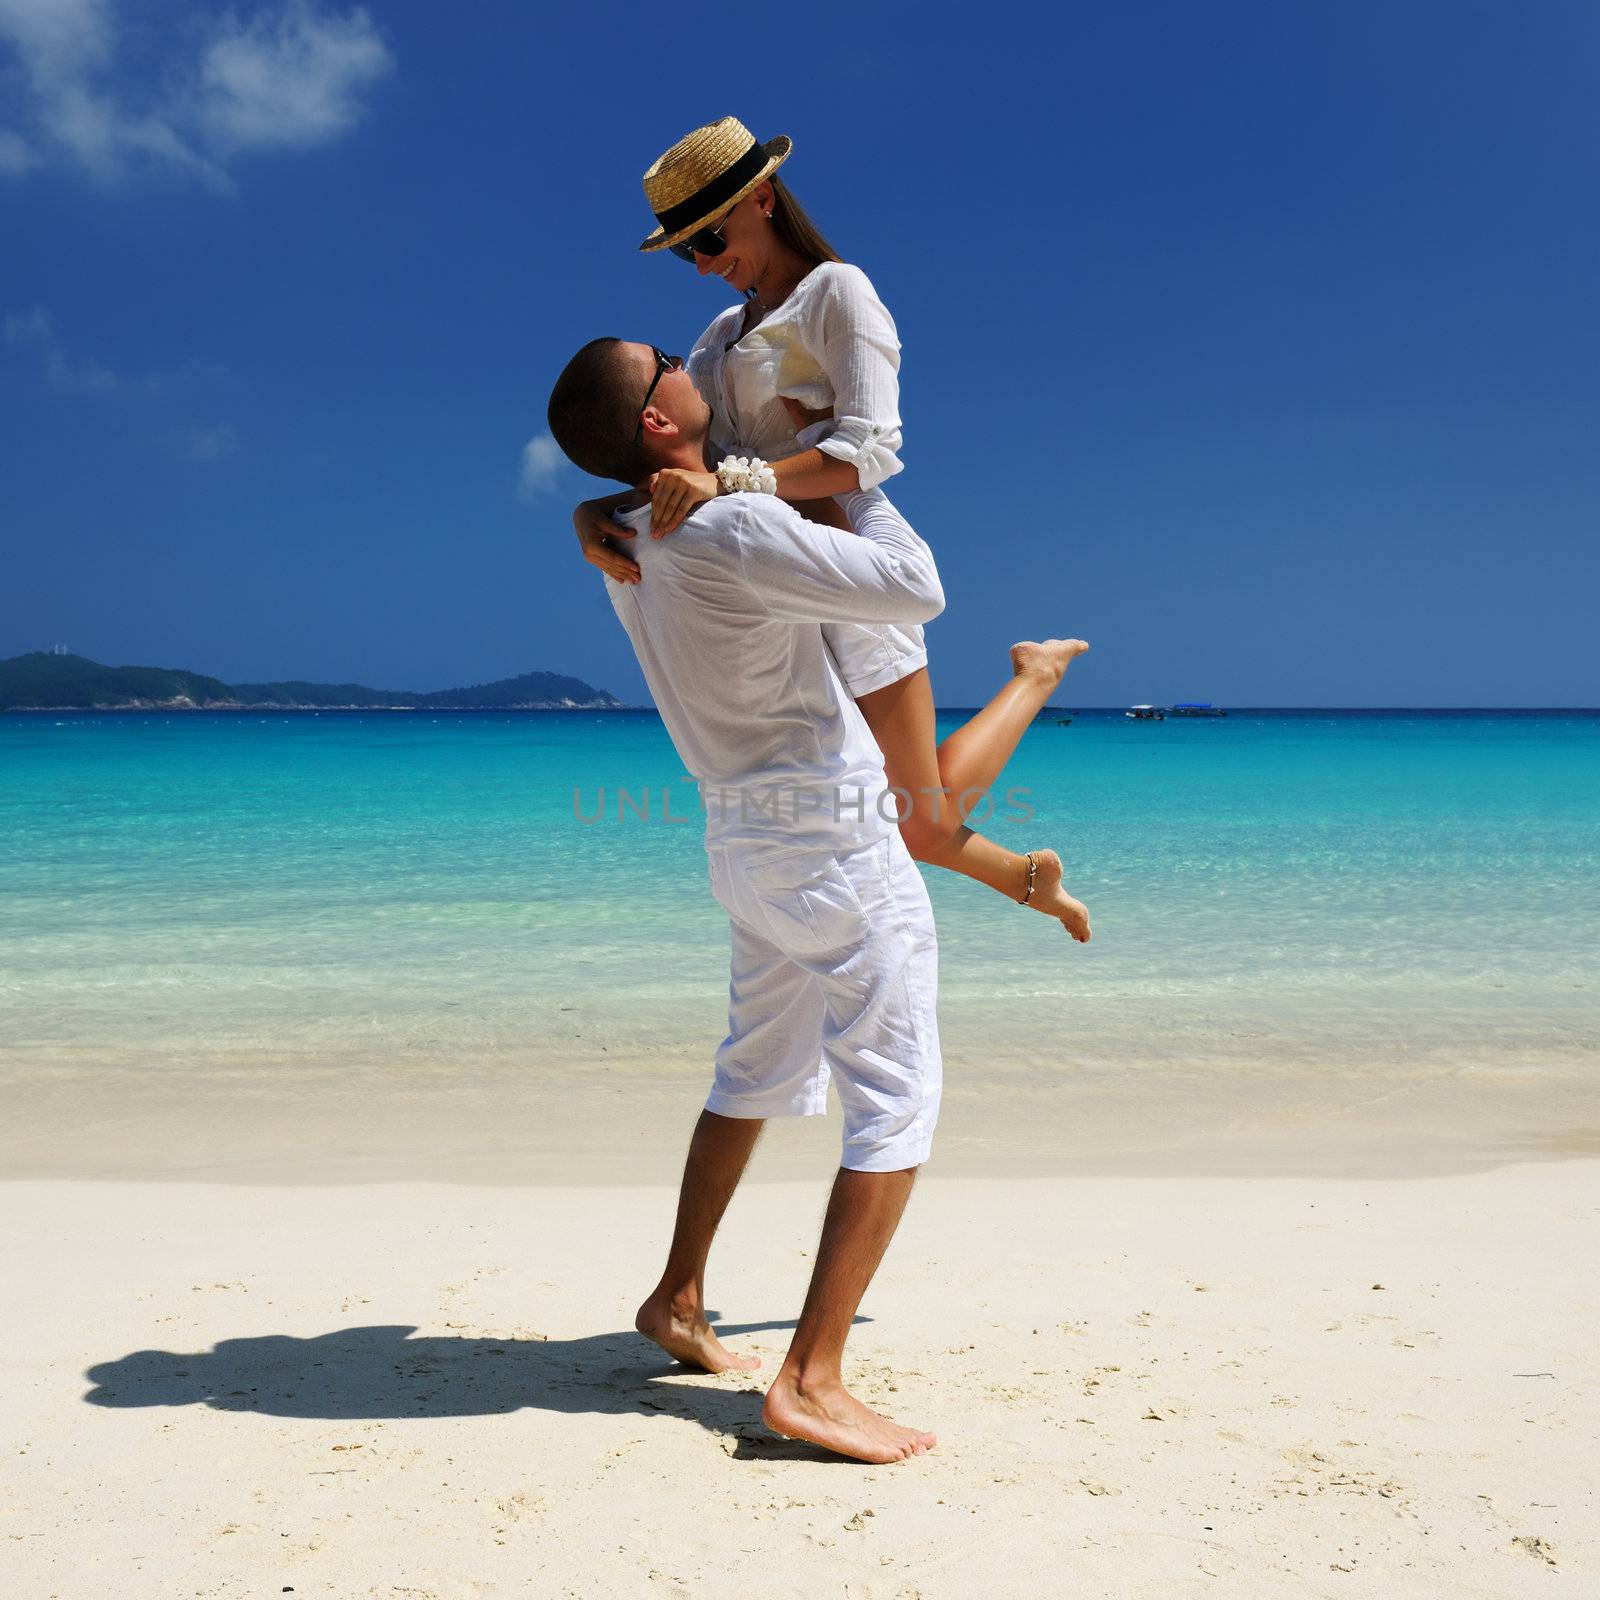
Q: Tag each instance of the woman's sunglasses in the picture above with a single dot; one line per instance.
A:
(704, 241)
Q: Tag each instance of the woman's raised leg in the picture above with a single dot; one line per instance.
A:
(901, 718)
(973, 757)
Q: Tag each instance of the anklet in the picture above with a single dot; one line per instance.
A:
(1032, 868)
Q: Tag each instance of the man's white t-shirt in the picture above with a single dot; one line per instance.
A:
(726, 623)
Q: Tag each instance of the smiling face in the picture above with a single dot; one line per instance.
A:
(747, 235)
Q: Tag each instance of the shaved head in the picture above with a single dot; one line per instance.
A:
(594, 409)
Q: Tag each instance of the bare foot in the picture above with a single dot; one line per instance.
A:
(1047, 661)
(832, 1417)
(687, 1336)
(1050, 898)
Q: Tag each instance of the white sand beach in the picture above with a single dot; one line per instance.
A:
(1153, 1386)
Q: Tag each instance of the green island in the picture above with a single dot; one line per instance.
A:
(43, 680)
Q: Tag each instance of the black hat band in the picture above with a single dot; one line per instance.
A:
(707, 201)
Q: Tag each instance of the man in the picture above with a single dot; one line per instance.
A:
(834, 964)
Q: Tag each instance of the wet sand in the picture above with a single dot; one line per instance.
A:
(270, 1118)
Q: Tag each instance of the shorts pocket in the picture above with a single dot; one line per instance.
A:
(810, 906)
(717, 870)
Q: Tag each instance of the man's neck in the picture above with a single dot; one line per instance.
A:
(687, 458)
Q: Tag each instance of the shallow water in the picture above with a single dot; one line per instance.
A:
(233, 893)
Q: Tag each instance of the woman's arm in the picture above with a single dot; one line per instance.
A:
(591, 521)
(853, 337)
(807, 481)
(813, 474)
(797, 474)
(849, 331)
(809, 476)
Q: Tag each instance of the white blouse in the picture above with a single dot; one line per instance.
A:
(831, 345)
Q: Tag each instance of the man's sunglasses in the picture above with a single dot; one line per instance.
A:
(664, 365)
(705, 241)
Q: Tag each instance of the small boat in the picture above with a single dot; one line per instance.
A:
(1196, 708)
(1146, 713)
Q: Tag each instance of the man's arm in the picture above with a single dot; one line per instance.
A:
(804, 572)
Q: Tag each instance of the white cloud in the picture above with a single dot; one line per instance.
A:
(202, 442)
(15, 155)
(542, 462)
(59, 39)
(25, 327)
(35, 328)
(290, 77)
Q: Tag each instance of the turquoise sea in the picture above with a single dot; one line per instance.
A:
(241, 893)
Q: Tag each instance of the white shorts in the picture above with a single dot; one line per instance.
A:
(835, 974)
(872, 655)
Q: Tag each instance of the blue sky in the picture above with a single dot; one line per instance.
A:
(1254, 343)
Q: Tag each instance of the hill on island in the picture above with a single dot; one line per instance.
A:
(41, 681)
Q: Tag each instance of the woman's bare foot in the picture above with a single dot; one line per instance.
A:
(1049, 897)
(1047, 660)
(830, 1416)
(687, 1336)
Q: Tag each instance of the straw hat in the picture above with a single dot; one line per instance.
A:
(703, 174)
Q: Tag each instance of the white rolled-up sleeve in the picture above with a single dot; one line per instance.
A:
(853, 338)
(802, 571)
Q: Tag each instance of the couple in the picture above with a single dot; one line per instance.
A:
(776, 611)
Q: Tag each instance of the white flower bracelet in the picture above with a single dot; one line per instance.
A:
(736, 474)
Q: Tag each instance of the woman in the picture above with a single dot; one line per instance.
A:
(802, 373)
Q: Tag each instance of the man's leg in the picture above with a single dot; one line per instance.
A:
(674, 1315)
(881, 1040)
(808, 1399)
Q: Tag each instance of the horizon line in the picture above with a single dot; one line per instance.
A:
(597, 711)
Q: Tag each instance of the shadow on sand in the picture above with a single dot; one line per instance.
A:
(381, 1372)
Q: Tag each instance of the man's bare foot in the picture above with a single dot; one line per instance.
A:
(1047, 660)
(688, 1337)
(832, 1417)
(1050, 898)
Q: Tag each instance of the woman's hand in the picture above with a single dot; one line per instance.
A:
(804, 416)
(596, 531)
(674, 493)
